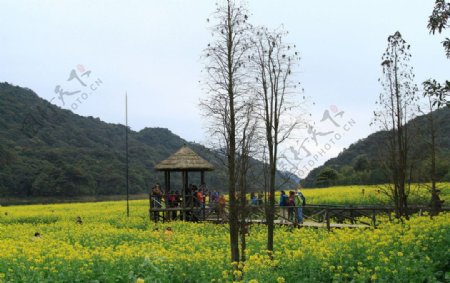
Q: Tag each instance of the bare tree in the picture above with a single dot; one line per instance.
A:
(247, 133)
(397, 105)
(431, 141)
(226, 104)
(274, 64)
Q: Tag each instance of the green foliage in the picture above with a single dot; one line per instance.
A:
(361, 162)
(326, 177)
(48, 151)
(440, 92)
(109, 247)
(438, 21)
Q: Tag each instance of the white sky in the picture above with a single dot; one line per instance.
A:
(151, 49)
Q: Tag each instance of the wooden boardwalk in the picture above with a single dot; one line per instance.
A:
(316, 216)
(310, 224)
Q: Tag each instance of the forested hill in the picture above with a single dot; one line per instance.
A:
(361, 162)
(48, 151)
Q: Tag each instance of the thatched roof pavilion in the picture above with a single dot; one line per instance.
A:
(185, 160)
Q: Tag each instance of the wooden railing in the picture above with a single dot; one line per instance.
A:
(330, 215)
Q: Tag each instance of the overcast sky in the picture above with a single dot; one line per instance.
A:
(151, 50)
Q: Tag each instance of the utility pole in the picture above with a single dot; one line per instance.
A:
(126, 150)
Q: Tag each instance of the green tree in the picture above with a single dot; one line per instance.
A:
(361, 163)
(438, 21)
(327, 177)
(6, 157)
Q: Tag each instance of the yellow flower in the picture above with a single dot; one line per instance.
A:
(140, 280)
(280, 280)
(237, 273)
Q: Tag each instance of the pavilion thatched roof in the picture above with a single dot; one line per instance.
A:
(185, 159)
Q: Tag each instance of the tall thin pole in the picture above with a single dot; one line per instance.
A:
(126, 149)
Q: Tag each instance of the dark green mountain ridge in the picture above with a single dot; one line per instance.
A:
(361, 162)
(49, 151)
(52, 152)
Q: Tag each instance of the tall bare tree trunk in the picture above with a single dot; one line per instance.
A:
(234, 224)
(274, 62)
(398, 104)
(226, 85)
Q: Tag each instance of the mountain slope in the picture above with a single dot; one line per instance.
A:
(361, 162)
(49, 151)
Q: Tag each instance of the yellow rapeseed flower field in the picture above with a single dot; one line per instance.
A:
(371, 195)
(44, 243)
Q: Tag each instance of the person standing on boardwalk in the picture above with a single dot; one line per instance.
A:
(172, 202)
(284, 202)
(222, 203)
(253, 198)
(291, 206)
(300, 201)
(260, 198)
(155, 200)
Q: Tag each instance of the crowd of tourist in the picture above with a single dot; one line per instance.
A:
(200, 199)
